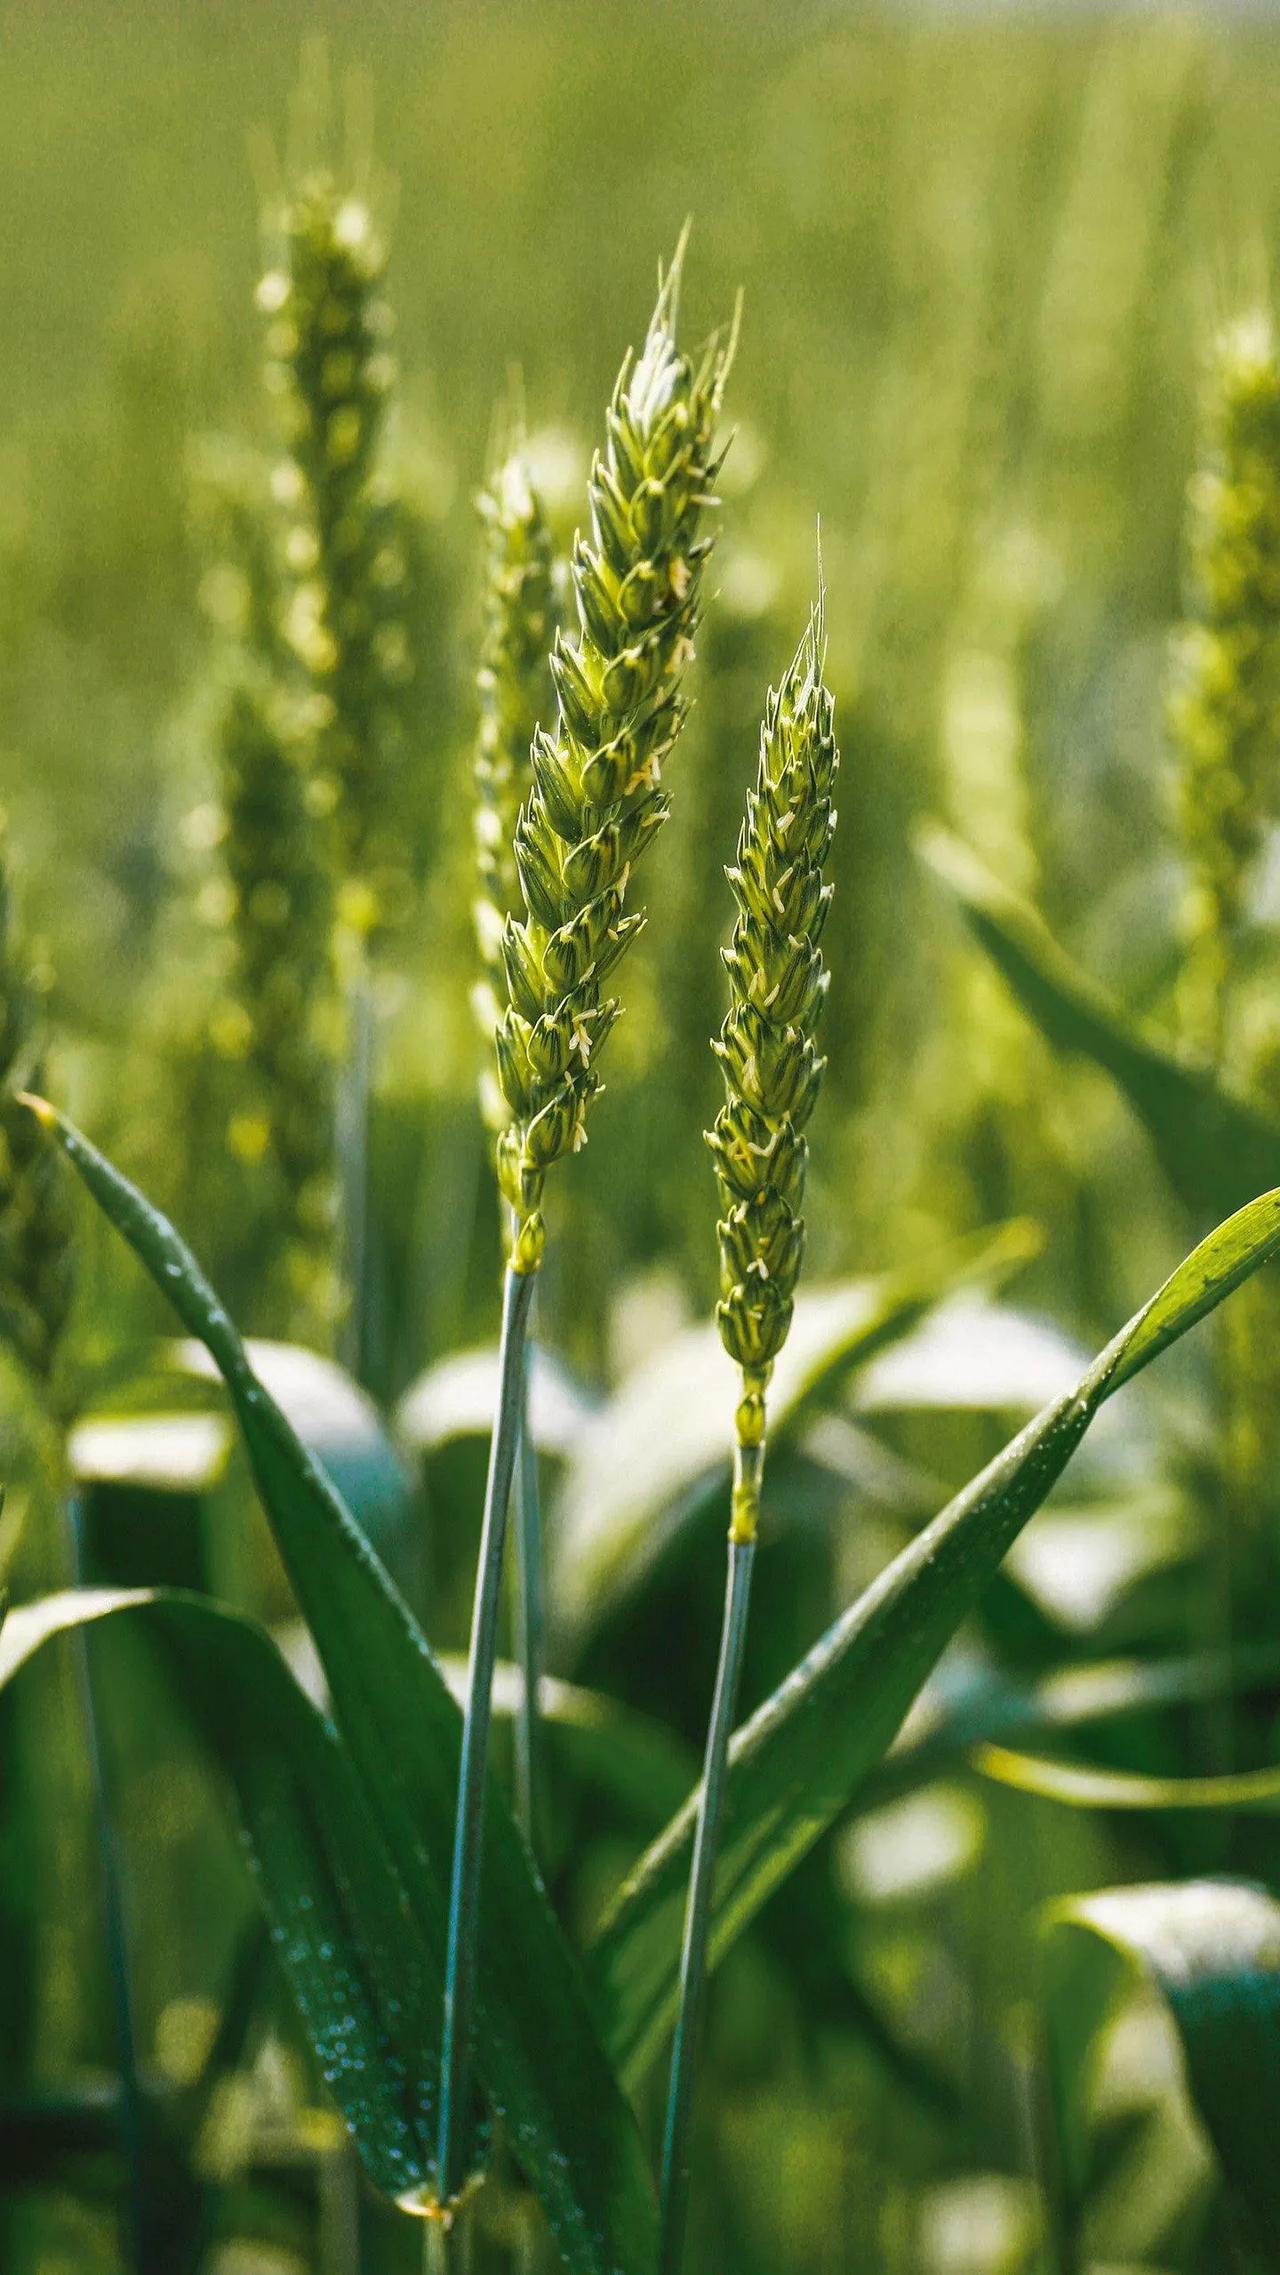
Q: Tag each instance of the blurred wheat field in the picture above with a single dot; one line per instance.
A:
(981, 255)
(978, 258)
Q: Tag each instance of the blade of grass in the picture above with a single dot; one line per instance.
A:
(1217, 1150)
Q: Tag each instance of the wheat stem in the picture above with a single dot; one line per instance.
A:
(530, 1622)
(697, 1924)
(464, 1921)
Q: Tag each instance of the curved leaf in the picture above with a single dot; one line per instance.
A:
(1080, 1785)
(337, 1422)
(798, 1760)
(537, 2050)
(1211, 1949)
(359, 1970)
(1216, 1150)
(655, 1455)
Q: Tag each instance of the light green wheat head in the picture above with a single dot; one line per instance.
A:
(597, 800)
(36, 1239)
(346, 548)
(766, 1047)
(514, 684)
(280, 1018)
(1224, 704)
(277, 1018)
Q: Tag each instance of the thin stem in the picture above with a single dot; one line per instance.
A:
(676, 2143)
(436, 2256)
(115, 1933)
(530, 1623)
(468, 1839)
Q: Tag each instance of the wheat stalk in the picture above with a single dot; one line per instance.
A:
(772, 1073)
(596, 801)
(513, 685)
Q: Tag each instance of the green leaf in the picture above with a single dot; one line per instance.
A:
(651, 1459)
(1211, 1949)
(799, 1759)
(1217, 1150)
(338, 1424)
(1081, 1785)
(538, 2052)
(363, 1980)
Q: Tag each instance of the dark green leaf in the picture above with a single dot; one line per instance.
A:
(802, 1755)
(537, 2049)
(1216, 1150)
(362, 1977)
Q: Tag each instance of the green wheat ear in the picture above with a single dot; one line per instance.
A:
(278, 1016)
(766, 1047)
(346, 546)
(36, 1237)
(514, 684)
(596, 799)
(1224, 703)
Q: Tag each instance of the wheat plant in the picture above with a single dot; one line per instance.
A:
(772, 1072)
(278, 1020)
(513, 684)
